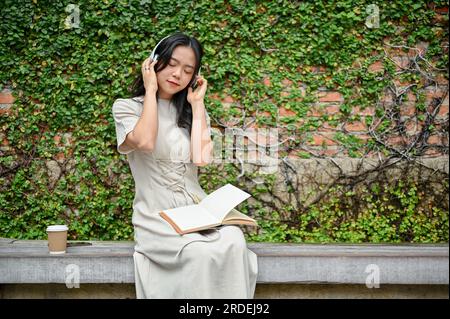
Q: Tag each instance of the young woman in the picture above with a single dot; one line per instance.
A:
(165, 131)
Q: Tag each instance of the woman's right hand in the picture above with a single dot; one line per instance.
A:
(149, 75)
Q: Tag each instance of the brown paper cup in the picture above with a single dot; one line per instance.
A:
(57, 239)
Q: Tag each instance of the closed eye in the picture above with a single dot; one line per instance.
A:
(173, 59)
(187, 72)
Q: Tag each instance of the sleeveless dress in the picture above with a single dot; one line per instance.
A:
(213, 263)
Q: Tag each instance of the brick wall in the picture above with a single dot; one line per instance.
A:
(328, 104)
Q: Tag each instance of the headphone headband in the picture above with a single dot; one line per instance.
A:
(152, 56)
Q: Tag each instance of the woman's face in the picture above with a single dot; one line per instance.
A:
(178, 73)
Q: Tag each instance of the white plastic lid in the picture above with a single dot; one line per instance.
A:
(57, 228)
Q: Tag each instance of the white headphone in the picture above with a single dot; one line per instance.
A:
(154, 56)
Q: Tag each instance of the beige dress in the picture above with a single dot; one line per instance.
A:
(208, 264)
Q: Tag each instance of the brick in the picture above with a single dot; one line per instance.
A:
(432, 93)
(397, 140)
(372, 154)
(391, 51)
(330, 96)
(366, 111)
(364, 136)
(441, 10)
(401, 62)
(5, 109)
(317, 110)
(441, 79)
(299, 123)
(432, 152)
(376, 67)
(328, 128)
(407, 109)
(285, 112)
(420, 48)
(413, 127)
(323, 139)
(260, 136)
(332, 109)
(286, 82)
(253, 125)
(387, 99)
(5, 142)
(318, 69)
(314, 112)
(6, 97)
(264, 113)
(399, 84)
(443, 110)
(214, 96)
(445, 102)
(439, 19)
(228, 99)
(410, 97)
(434, 139)
(355, 127)
(60, 157)
(293, 155)
(432, 106)
(232, 121)
(329, 151)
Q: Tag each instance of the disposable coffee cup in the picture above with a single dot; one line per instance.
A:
(57, 239)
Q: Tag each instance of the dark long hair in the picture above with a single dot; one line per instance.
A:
(165, 50)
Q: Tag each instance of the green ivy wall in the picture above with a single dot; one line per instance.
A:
(301, 66)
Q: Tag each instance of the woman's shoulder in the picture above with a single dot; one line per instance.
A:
(134, 103)
(133, 100)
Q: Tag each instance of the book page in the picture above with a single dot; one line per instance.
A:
(221, 201)
(234, 215)
(192, 216)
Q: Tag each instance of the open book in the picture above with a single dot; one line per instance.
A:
(214, 210)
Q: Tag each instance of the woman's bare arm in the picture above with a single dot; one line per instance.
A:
(143, 137)
(201, 143)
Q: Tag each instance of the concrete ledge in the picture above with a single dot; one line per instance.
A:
(263, 291)
(28, 262)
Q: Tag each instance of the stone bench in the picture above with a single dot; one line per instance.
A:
(106, 270)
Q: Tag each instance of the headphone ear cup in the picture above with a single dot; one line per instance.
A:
(194, 85)
(154, 57)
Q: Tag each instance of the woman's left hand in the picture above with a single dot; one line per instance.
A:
(197, 95)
